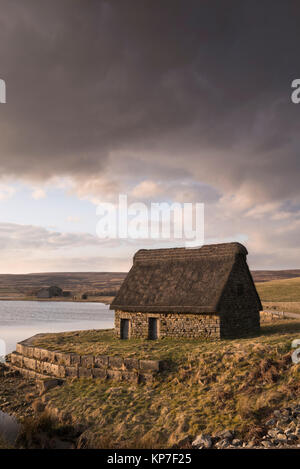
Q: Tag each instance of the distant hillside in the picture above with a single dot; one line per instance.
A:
(268, 275)
(18, 286)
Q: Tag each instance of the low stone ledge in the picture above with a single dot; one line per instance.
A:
(116, 363)
(87, 361)
(130, 376)
(99, 373)
(84, 372)
(47, 355)
(29, 363)
(101, 361)
(46, 384)
(37, 353)
(150, 365)
(131, 363)
(16, 359)
(20, 349)
(28, 374)
(62, 358)
(114, 374)
(71, 371)
(59, 365)
(75, 360)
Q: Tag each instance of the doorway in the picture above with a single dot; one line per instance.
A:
(153, 329)
(125, 329)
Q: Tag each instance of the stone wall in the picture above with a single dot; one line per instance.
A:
(170, 324)
(35, 362)
(267, 316)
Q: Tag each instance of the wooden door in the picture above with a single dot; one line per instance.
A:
(153, 328)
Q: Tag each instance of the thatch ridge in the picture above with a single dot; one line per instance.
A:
(224, 249)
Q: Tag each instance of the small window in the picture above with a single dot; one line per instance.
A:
(240, 289)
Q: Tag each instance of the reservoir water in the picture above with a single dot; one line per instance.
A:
(9, 427)
(22, 319)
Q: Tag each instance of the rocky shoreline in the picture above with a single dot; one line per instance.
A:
(282, 430)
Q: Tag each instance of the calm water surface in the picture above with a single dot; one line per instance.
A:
(9, 427)
(22, 319)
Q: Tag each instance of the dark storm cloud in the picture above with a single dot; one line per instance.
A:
(206, 84)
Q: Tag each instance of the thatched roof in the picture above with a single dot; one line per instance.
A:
(180, 279)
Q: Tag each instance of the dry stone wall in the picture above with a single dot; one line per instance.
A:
(35, 362)
(267, 316)
(170, 324)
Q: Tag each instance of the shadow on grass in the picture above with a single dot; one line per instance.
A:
(284, 327)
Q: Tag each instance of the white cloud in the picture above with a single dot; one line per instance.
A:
(24, 237)
(73, 219)
(262, 210)
(38, 193)
(6, 191)
(146, 189)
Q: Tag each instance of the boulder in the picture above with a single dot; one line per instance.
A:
(222, 444)
(236, 442)
(270, 422)
(45, 385)
(281, 437)
(202, 441)
(267, 444)
(225, 435)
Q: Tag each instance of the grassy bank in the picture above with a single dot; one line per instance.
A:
(211, 386)
(101, 342)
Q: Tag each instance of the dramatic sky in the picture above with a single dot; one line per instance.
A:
(186, 101)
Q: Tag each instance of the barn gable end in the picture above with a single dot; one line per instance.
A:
(240, 304)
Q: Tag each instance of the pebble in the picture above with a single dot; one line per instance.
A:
(270, 422)
(236, 442)
(222, 444)
(226, 434)
(267, 444)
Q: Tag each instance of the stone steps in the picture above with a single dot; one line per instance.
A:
(29, 374)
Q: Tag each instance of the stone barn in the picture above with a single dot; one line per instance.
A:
(49, 292)
(183, 292)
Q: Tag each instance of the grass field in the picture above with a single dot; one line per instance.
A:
(282, 295)
(280, 290)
